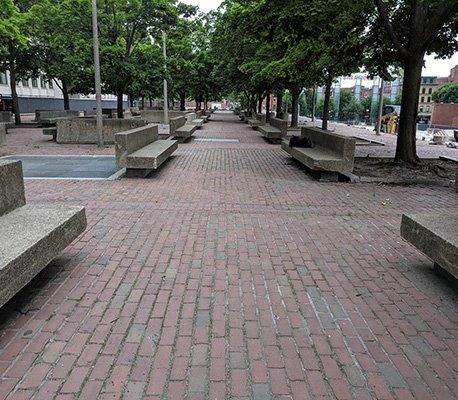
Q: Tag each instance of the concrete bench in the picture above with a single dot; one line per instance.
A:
(51, 115)
(275, 131)
(7, 118)
(31, 235)
(139, 150)
(331, 153)
(436, 236)
(257, 120)
(191, 118)
(179, 130)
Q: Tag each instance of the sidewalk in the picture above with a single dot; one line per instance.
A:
(230, 274)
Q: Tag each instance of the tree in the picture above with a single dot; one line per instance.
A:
(447, 93)
(124, 29)
(17, 53)
(401, 35)
(349, 107)
(65, 44)
(319, 111)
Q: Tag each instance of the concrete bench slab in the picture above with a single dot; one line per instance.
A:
(31, 235)
(139, 150)
(184, 132)
(204, 118)
(275, 131)
(141, 162)
(330, 152)
(434, 235)
(199, 122)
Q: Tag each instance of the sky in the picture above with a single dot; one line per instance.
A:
(432, 67)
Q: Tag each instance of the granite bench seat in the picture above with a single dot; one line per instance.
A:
(32, 235)
(257, 120)
(179, 130)
(436, 236)
(275, 131)
(204, 118)
(330, 153)
(139, 151)
(198, 122)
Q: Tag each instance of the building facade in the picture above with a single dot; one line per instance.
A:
(427, 87)
(40, 94)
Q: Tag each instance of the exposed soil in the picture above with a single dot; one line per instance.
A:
(430, 171)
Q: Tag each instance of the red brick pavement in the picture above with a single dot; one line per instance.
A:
(229, 273)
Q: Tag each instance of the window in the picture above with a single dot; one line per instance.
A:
(429, 100)
(3, 80)
(42, 82)
(50, 85)
(422, 99)
(421, 108)
(423, 90)
(427, 108)
(25, 82)
(430, 90)
(431, 80)
(34, 82)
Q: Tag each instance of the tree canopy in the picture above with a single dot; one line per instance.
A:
(447, 93)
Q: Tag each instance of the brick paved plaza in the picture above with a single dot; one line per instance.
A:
(231, 274)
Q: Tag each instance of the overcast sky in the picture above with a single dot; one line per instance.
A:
(432, 67)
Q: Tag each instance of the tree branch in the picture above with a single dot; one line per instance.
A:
(390, 30)
(438, 19)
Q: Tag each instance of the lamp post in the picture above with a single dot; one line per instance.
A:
(98, 91)
(166, 101)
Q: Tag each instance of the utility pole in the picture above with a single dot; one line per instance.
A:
(166, 101)
(98, 90)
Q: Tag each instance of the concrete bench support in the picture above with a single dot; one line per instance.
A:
(436, 236)
(32, 235)
(179, 130)
(139, 150)
(275, 131)
(331, 153)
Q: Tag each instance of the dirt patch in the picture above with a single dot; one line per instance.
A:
(431, 171)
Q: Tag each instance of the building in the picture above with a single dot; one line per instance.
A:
(41, 94)
(428, 86)
(453, 77)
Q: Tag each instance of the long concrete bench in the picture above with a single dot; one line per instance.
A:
(179, 130)
(7, 118)
(436, 236)
(31, 235)
(191, 118)
(330, 153)
(139, 150)
(257, 120)
(275, 131)
(41, 115)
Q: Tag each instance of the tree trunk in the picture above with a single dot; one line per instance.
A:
(279, 103)
(327, 96)
(268, 107)
(17, 113)
(120, 92)
(313, 103)
(406, 150)
(143, 103)
(66, 96)
(182, 101)
(260, 99)
(294, 104)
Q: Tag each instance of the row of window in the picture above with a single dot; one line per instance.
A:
(423, 91)
(423, 99)
(25, 82)
(427, 108)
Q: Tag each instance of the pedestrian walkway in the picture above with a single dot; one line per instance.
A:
(230, 274)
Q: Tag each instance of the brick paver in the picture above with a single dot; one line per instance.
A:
(230, 273)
